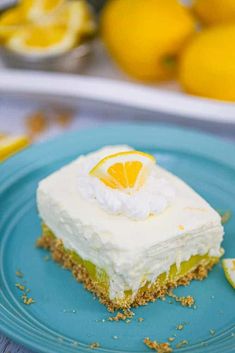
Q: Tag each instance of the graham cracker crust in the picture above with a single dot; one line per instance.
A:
(143, 296)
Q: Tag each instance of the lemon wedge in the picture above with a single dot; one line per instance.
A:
(10, 21)
(86, 18)
(11, 144)
(51, 34)
(41, 40)
(73, 14)
(80, 18)
(126, 171)
(34, 9)
(229, 270)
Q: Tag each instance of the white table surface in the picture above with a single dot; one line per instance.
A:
(12, 120)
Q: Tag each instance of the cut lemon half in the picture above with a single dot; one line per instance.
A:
(42, 40)
(229, 270)
(56, 26)
(11, 144)
(126, 171)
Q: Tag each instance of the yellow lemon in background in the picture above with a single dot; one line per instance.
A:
(74, 14)
(35, 8)
(42, 40)
(25, 12)
(10, 21)
(215, 11)
(207, 65)
(42, 27)
(145, 36)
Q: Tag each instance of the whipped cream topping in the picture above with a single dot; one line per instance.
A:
(152, 198)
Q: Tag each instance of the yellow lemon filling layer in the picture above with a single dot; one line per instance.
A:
(100, 276)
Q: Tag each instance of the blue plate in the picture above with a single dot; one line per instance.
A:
(65, 317)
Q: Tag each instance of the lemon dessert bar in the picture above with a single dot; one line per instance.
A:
(127, 228)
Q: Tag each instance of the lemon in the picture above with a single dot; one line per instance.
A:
(11, 144)
(21, 28)
(124, 170)
(207, 66)
(36, 8)
(10, 21)
(229, 270)
(215, 11)
(145, 36)
(74, 14)
(42, 40)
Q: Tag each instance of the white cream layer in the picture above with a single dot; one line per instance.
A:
(154, 196)
(131, 252)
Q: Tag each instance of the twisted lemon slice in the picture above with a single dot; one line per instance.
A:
(229, 270)
(127, 171)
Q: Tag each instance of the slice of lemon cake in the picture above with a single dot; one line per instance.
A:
(127, 228)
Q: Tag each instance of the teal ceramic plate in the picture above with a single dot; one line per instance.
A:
(65, 317)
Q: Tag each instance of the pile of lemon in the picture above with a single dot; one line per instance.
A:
(154, 40)
(45, 27)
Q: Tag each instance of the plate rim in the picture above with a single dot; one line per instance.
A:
(152, 129)
(116, 91)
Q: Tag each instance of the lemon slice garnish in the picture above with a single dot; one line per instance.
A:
(126, 171)
(11, 144)
(229, 270)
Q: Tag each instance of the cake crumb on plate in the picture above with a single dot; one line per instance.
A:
(20, 286)
(184, 300)
(181, 343)
(127, 314)
(212, 332)
(158, 347)
(180, 327)
(94, 345)
(19, 274)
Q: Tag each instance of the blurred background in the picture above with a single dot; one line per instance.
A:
(69, 64)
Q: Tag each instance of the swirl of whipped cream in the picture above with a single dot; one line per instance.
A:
(152, 198)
